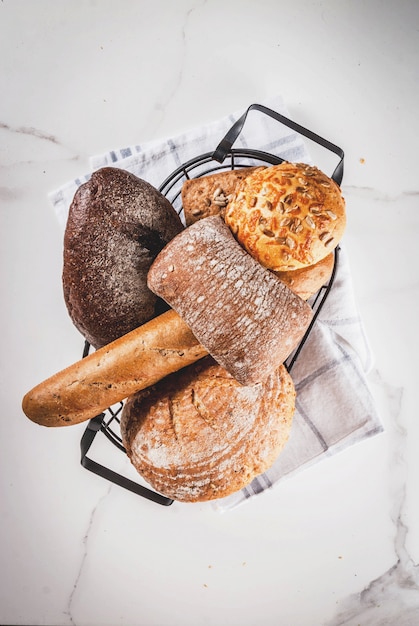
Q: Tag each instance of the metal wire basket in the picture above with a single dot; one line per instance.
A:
(224, 157)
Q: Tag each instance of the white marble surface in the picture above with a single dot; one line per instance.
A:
(337, 544)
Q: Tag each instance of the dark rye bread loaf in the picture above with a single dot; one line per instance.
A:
(117, 224)
(247, 319)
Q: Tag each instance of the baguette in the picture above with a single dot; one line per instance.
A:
(112, 373)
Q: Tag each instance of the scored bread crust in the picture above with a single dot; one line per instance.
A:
(209, 195)
(287, 216)
(200, 435)
(246, 318)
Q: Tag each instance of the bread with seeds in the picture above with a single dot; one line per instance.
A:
(287, 216)
(209, 195)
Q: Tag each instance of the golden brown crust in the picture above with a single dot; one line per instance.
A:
(209, 195)
(307, 281)
(287, 216)
(119, 369)
(199, 435)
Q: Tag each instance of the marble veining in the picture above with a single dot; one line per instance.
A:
(80, 78)
(85, 543)
(29, 130)
(393, 597)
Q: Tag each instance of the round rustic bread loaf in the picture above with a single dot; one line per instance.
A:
(287, 216)
(199, 435)
(116, 226)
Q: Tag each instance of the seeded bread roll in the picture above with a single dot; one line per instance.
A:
(246, 318)
(110, 374)
(287, 216)
(209, 195)
(199, 435)
(116, 226)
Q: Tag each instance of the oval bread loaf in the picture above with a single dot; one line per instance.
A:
(116, 226)
(200, 435)
(246, 318)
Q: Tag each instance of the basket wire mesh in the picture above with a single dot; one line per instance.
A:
(224, 157)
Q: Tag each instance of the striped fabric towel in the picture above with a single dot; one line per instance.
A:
(334, 406)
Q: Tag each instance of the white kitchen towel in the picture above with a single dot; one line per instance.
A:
(334, 406)
(154, 161)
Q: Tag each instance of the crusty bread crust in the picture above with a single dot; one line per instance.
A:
(287, 216)
(199, 435)
(112, 373)
(246, 318)
(117, 224)
(209, 195)
(307, 281)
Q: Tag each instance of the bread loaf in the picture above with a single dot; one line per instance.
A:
(117, 224)
(307, 281)
(199, 435)
(209, 195)
(115, 371)
(287, 216)
(246, 318)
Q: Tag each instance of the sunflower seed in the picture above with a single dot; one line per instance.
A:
(253, 201)
(285, 221)
(269, 205)
(290, 242)
(217, 192)
(328, 242)
(268, 232)
(332, 215)
(324, 235)
(196, 211)
(316, 210)
(309, 221)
